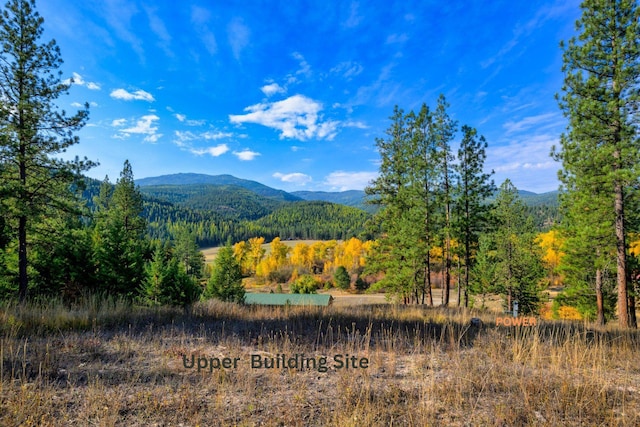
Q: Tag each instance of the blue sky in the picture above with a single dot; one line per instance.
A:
(293, 94)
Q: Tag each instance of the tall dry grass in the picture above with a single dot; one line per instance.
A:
(109, 363)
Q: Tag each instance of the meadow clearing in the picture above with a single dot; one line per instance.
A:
(106, 363)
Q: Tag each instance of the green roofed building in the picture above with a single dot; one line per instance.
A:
(288, 299)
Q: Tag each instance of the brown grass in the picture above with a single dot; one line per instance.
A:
(111, 364)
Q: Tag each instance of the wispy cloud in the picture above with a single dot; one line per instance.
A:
(296, 117)
(293, 178)
(397, 39)
(342, 181)
(159, 29)
(200, 18)
(526, 161)
(522, 31)
(539, 122)
(238, 34)
(354, 17)
(304, 70)
(146, 125)
(246, 154)
(119, 14)
(272, 89)
(201, 136)
(139, 95)
(348, 69)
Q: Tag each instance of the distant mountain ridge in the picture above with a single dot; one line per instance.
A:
(353, 198)
(221, 180)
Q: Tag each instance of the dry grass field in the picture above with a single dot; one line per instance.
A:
(104, 363)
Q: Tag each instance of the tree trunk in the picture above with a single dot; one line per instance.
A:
(22, 258)
(633, 323)
(428, 279)
(621, 258)
(23, 279)
(599, 298)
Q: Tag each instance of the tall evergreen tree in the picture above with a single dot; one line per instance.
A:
(602, 78)
(474, 186)
(119, 236)
(32, 129)
(403, 189)
(443, 131)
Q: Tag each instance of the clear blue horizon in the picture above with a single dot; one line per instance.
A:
(294, 94)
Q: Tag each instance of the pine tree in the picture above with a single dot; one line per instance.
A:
(601, 151)
(474, 186)
(32, 129)
(341, 278)
(443, 132)
(119, 237)
(401, 251)
(167, 281)
(225, 283)
(518, 260)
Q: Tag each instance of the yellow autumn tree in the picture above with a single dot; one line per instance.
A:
(302, 256)
(256, 252)
(279, 252)
(551, 243)
(349, 255)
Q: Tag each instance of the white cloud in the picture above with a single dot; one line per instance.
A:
(356, 124)
(215, 135)
(343, 181)
(143, 126)
(246, 154)
(296, 117)
(183, 119)
(294, 178)
(76, 105)
(216, 151)
(153, 138)
(238, 34)
(272, 89)
(184, 141)
(78, 80)
(139, 95)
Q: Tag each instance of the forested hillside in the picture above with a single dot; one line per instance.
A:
(216, 213)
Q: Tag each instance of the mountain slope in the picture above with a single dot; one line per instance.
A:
(223, 180)
(229, 201)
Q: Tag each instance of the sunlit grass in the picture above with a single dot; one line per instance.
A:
(110, 363)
